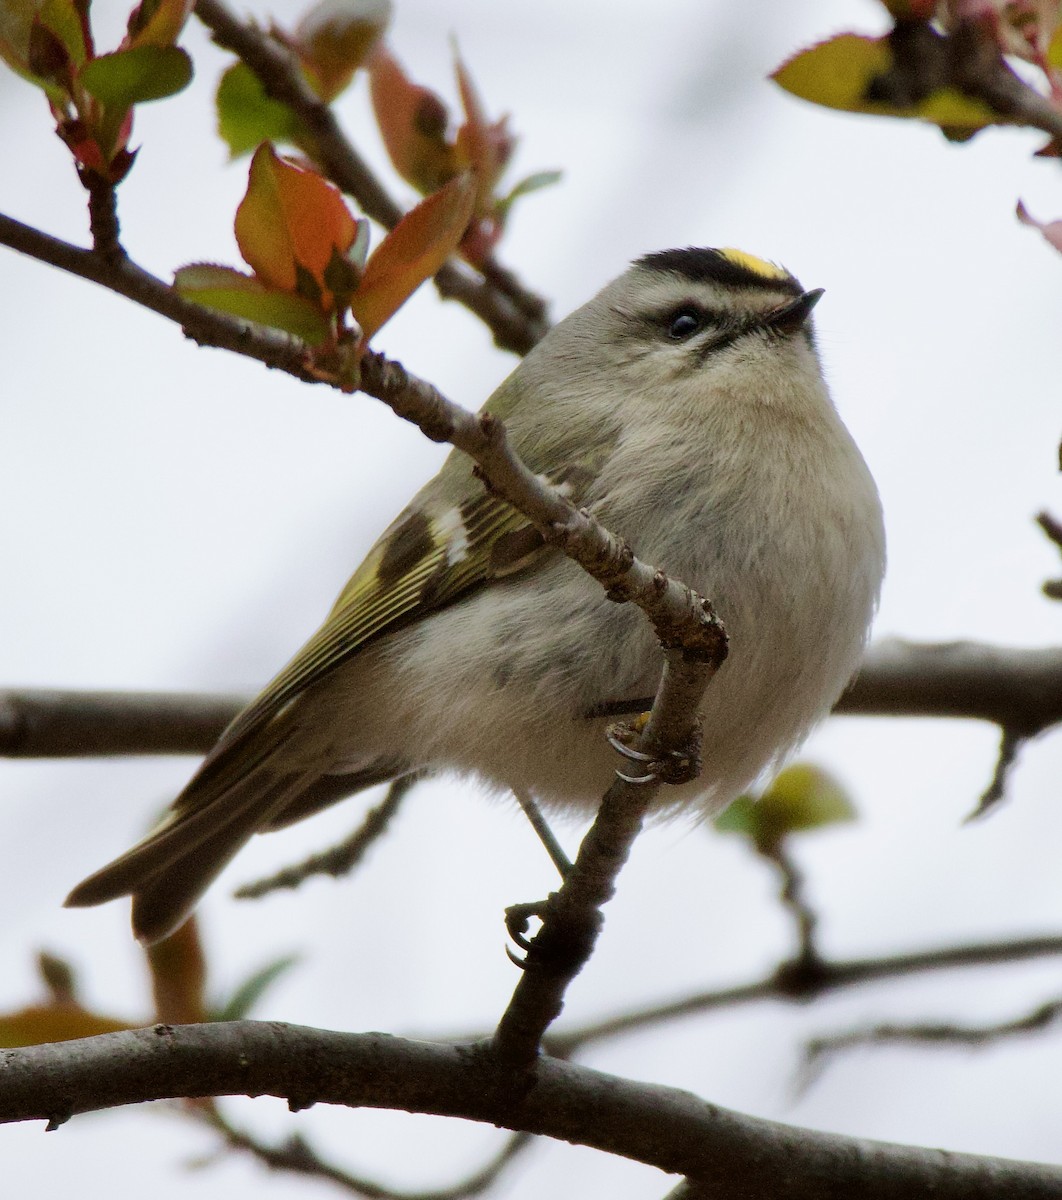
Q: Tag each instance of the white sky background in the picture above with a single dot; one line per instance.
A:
(176, 518)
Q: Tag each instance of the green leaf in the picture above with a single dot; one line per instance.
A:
(802, 797)
(247, 116)
(738, 817)
(129, 77)
(240, 295)
(838, 73)
(533, 183)
(65, 21)
(251, 990)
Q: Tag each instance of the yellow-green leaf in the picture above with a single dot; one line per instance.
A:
(158, 22)
(239, 295)
(129, 77)
(65, 21)
(247, 116)
(39, 1023)
(838, 73)
(802, 797)
(412, 252)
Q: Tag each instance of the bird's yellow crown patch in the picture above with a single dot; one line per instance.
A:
(757, 266)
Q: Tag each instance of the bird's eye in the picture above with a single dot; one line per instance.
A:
(684, 323)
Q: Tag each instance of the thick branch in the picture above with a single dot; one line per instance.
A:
(1016, 688)
(515, 317)
(736, 1155)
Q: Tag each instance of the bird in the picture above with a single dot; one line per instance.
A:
(684, 407)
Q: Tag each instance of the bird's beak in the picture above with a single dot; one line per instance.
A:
(792, 317)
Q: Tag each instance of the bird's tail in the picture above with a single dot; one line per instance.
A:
(213, 817)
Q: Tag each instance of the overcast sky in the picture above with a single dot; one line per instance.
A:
(175, 518)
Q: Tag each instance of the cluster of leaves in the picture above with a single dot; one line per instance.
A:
(308, 253)
(310, 257)
(332, 42)
(92, 95)
(417, 131)
(927, 68)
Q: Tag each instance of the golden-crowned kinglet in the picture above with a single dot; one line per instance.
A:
(685, 408)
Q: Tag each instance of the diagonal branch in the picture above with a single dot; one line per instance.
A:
(679, 615)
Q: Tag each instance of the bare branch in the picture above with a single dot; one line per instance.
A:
(737, 1155)
(343, 858)
(821, 1049)
(571, 916)
(1009, 745)
(1015, 687)
(1053, 528)
(792, 982)
(296, 1155)
(35, 723)
(515, 316)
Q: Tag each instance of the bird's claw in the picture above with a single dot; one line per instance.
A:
(671, 766)
(517, 919)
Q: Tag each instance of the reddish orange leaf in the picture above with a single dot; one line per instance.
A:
(289, 219)
(486, 147)
(414, 250)
(413, 122)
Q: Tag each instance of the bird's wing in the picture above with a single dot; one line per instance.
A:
(424, 562)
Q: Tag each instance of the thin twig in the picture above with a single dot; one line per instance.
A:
(1010, 743)
(342, 858)
(821, 1049)
(1053, 528)
(103, 217)
(296, 1155)
(515, 316)
(830, 976)
(795, 900)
